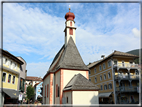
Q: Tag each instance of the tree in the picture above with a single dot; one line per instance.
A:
(30, 92)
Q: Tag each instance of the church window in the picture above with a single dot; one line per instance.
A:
(57, 91)
(70, 23)
(71, 31)
(47, 89)
(67, 99)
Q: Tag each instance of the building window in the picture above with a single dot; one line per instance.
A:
(104, 76)
(95, 79)
(21, 68)
(89, 72)
(47, 89)
(22, 84)
(101, 78)
(109, 75)
(104, 66)
(115, 62)
(4, 77)
(6, 60)
(11, 66)
(110, 86)
(109, 63)
(15, 65)
(70, 23)
(58, 91)
(100, 67)
(105, 87)
(95, 70)
(13, 81)
(67, 99)
(71, 31)
(101, 87)
(9, 78)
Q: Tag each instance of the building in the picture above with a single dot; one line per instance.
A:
(118, 78)
(23, 75)
(31, 80)
(10, 77)
(37, 89)
(66, 81)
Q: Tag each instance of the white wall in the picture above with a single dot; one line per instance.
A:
(68, 75)
(57, 81)
(85, 97)
(69, 95)
(45, 82)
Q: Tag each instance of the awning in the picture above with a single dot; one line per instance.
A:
(104, 94)
(11, 93)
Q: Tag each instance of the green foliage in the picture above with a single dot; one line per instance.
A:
(136, 52)
(30, 92)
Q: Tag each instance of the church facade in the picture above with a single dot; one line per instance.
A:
(67, 80)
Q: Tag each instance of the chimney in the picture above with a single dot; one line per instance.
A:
(103, 56)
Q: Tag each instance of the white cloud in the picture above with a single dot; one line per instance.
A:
(136, 32)
(30, 30)
(37, 69)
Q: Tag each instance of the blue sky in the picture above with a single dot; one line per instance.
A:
(34, 31)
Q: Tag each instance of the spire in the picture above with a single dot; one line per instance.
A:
(69, 8)
(69, 26)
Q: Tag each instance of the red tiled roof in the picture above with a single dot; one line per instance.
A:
(115, 53)
(33, 78)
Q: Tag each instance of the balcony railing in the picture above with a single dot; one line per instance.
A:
(127, 89)
(121, 77)
(125, 65)
(134, 76)
(125, 77)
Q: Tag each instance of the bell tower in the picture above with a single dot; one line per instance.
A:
(69, 27)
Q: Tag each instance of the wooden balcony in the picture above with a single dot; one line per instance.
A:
(128, 89)
(125, 65)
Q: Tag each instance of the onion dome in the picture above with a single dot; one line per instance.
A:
(69, 16)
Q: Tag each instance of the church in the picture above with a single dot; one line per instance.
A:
(67, 79)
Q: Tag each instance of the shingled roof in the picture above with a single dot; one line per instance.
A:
(79, 82)
(31, 78)
(115, 53)
(68, 58)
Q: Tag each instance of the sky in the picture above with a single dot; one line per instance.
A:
(34, 31)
